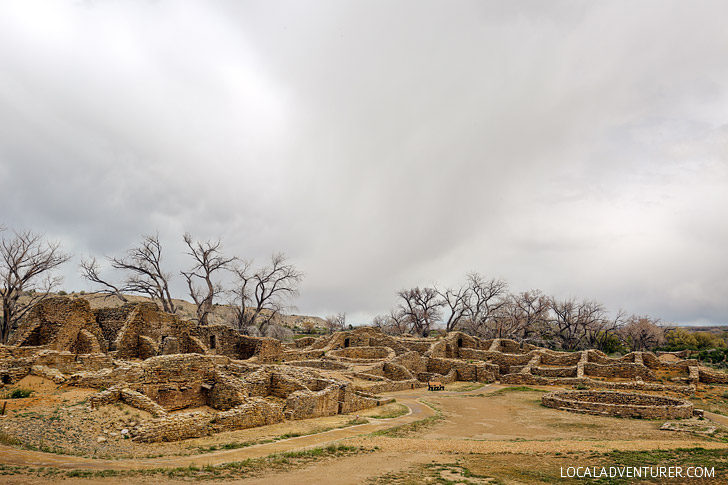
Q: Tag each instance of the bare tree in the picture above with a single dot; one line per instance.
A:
(335, 322)
(208, 259)
(603, 333)
(261, 294)
(531, 310)
(643, 333)
(90, 270)
(421, 307)
(393, 323)
(573, 320)
(143, 265)
(25, 266)
(456, 304)
(486, 299)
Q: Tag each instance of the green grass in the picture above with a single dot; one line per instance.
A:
(234, 445)
(18, 394)
(409, 429)
(399, 410)
(233, 470)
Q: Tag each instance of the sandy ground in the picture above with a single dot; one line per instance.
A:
(487, 430)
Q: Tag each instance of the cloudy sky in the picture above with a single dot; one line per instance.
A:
(576, 147)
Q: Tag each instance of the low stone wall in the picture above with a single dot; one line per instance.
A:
(320, 364)
(412, 361)
(127, 396)
(308, 404)
(448, 378)
(623, 404)
(294, 355)
(182, 426)
(173, 428)
(48, 373)
(620, 370)
(563, 359)
(712, 377)
(554, 371)
(466, 371)
(391, 386)
(365, 354)
(258, 412)
(531, 380)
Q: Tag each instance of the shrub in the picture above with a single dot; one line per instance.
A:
(20, 393)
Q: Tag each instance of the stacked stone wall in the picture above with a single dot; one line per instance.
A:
(554, 371)
(712, 377)
(308, 404)
(619, 404)
(621, 370)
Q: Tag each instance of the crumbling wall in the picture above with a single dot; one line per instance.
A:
(178, 381)
(712, 377)
(619, 404)
(227, 392)
(362, 353)
(256, 412)
(132, 398)
(175, 427)
(308, 404)
(466, 371)
(56, 323)
(111, 320)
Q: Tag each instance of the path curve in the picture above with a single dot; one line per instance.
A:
(417, 411)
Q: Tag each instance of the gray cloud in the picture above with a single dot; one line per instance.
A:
(575, 147)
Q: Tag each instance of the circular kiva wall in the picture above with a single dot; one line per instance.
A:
(626, 404)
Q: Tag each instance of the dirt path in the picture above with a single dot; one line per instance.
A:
(717, 418)
(14, 456)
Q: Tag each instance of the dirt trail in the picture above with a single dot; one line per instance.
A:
(14, 456)
(717, 418)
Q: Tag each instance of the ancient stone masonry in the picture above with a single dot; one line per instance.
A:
(158, 363)
(624, 404)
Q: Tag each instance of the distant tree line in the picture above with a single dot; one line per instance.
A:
(257, 295)
(486, 308)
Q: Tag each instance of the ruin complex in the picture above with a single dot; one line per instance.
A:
(171, 368)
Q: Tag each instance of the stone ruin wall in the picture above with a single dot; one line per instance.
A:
(622, 404)
(213, 376)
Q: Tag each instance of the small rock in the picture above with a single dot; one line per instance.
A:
(124, 431)
(101, 439)
(113, 433)
(132, 424)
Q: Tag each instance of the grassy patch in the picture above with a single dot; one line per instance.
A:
(464, 386)
(406, 430)
(234, 445)
(233, 470)
(397, 411)
(9, 440)
(18, 394)
(442, 473)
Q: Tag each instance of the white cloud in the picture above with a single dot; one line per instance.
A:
(575, 147)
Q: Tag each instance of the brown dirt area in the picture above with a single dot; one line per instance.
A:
(491, 434)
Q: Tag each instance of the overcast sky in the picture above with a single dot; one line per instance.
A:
(576, 147)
